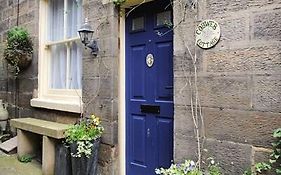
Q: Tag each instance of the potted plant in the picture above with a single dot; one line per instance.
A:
(19, 48)
(84, 139)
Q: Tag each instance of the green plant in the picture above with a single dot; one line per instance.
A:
(19, 48)
(189, 167)
(262, 166)
(25, 158)
(83, 133)
(119, 2)
(259, 168)
(275, 157)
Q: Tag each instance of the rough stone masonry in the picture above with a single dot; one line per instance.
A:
(239, 80)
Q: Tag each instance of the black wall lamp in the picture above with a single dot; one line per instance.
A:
(86, 34)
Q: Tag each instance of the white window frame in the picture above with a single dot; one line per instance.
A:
(58, 99)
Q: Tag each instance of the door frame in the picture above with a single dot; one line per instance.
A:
(122, 87)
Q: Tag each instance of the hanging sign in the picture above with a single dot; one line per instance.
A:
(207, 34)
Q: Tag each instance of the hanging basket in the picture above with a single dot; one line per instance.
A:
(19, 48)
(24, 61)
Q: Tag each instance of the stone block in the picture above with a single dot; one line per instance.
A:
(259, 59)
(101, 10)
(108, 47)
(23, 99)
(226, 92)
(185, 148)
(248, 127)
(27, 142)
(111, 168)
(267, 26)
(104, 108)
(4, 25)
(98, 67)
(27, 17)
(267, 93)
(107, 153)
(26, 85)
(7, 14)
(23, 6)
(183, 122)
(97, 87)
(48, 156)
(233, 158)
(263, 155)
(233, 30)
(25, 112)
(110, 135)
(218, 8)
(107, 26)
(42, 127)
(3, 4)
(3, 85)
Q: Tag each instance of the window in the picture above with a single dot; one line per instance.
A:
(60, 55)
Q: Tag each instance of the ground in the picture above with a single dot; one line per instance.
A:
(9, 165)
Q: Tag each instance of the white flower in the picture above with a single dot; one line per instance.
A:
(212, 162)
(192, 163)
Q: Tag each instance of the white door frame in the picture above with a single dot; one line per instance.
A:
(122, 97)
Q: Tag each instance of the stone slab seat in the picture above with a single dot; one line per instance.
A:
(29, 131)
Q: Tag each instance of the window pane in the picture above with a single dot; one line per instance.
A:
(58, 67)
(56, 22)
(138, 24)
(65, 61)
(164, 18)
(74, 16)
(75, 67)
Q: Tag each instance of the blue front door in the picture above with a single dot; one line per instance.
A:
(149, 88)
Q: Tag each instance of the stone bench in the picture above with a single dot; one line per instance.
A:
(30, 131)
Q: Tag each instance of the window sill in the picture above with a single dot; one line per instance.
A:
(56, 105)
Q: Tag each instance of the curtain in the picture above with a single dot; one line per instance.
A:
(59, 60)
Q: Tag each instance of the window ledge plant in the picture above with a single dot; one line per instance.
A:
(19, 48)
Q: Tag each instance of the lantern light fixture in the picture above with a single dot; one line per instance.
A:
(86, 34)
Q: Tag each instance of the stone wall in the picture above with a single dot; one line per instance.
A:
(239, 82)
(100, 74)
(17, 92)
(100, 79)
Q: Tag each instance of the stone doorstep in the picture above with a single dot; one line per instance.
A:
(43, 127)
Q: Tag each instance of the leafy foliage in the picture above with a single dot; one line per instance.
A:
(262, 166)
(275, 157)
(19, 46)
(189, 168)
(119, 2)
(83, 133)
(259, 168)
(25, 158)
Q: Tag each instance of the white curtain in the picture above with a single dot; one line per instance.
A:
(59, 52)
